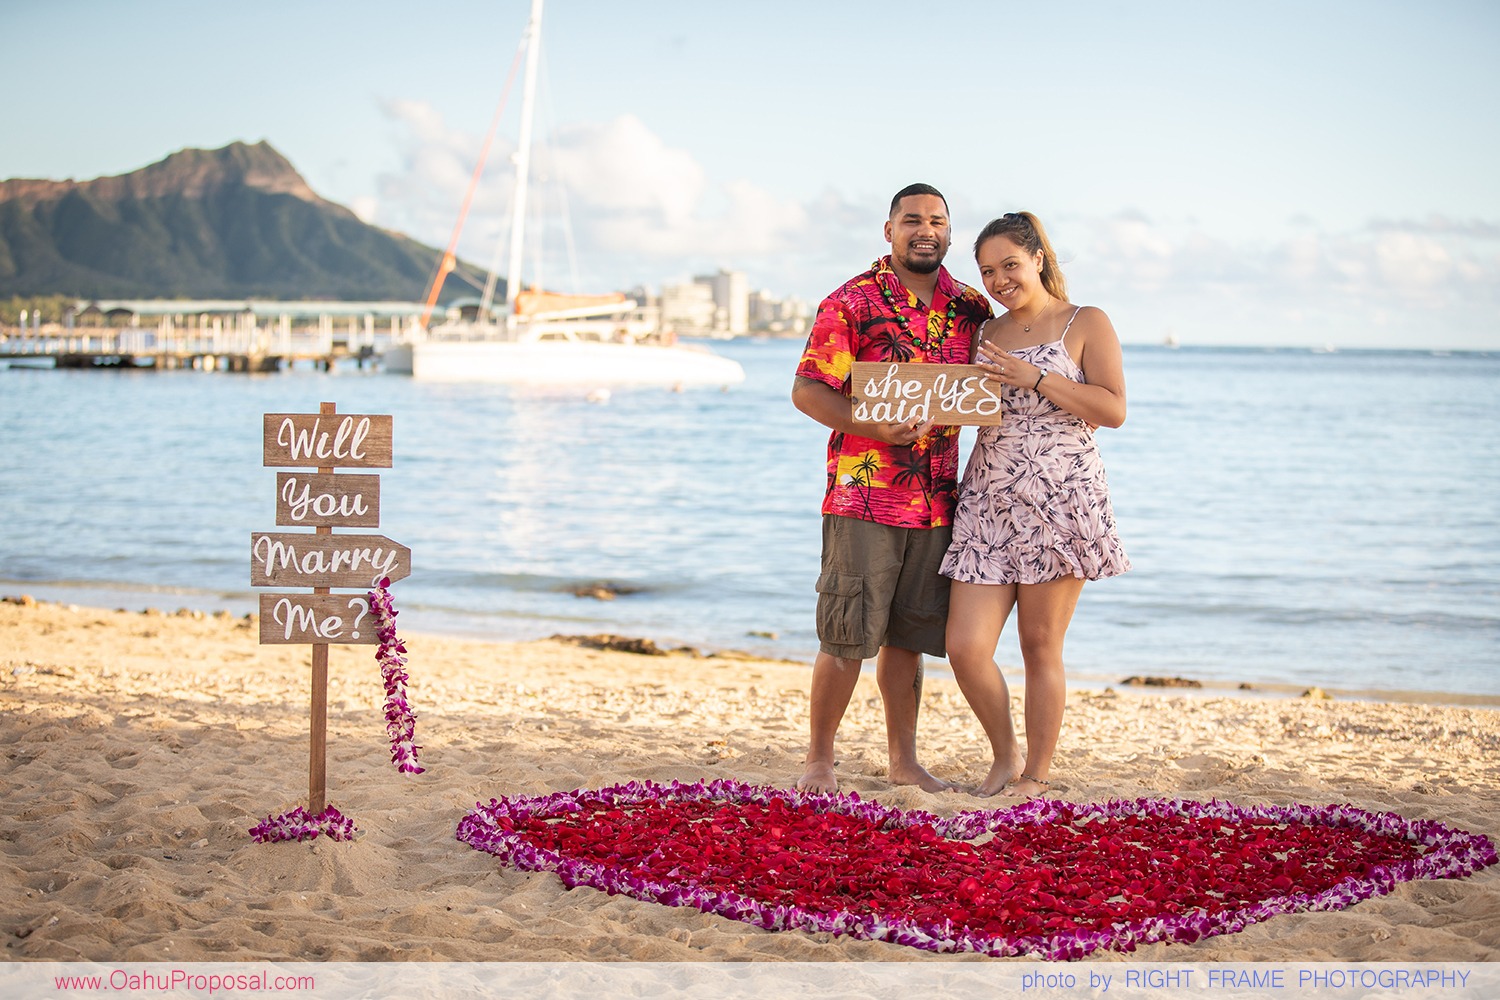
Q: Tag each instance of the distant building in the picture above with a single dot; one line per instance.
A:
(688, 308)
(722, 305)
(731, 295)
(769, 314)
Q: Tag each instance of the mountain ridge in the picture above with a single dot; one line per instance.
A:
(233, 222)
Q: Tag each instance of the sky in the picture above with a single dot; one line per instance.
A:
(1279, 173)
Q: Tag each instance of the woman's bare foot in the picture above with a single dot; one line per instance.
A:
(1027, 787)
(1002, 773)
(818, 776)
(916, 774)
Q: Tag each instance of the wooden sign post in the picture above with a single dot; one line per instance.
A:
(321, 500)
(888, 392)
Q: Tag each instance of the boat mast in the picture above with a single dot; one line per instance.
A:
(523, 163)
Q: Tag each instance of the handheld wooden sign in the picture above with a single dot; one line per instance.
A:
(890, 392)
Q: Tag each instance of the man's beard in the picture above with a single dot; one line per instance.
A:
(923, 265)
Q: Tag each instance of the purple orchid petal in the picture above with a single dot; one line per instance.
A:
(495, 827)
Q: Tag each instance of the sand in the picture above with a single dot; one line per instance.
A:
(140, 748)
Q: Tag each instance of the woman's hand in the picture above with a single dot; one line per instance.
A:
(1002, 367)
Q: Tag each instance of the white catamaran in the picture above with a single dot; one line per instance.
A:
(548, 338)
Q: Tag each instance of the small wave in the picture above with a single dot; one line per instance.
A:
(533, 583)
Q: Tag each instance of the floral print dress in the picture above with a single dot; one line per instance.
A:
(1034, 502)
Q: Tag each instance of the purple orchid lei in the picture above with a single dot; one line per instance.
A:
(1435, 851)
(400, 720)
(400, 725)
(298, 824)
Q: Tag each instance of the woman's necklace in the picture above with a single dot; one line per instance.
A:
(1026, 328)
(930, 342)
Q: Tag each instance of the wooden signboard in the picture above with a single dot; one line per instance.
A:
(315, 500)
(327, 440)
(289, 559)
(888, 392)
(300, 618)
(320, 559)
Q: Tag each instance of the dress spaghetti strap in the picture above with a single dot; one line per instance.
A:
(1076, 311)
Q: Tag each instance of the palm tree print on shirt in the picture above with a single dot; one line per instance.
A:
(914, 468)
(863, 474)
(896, 485)
(892, 340)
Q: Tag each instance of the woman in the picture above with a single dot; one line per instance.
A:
(1034, 519)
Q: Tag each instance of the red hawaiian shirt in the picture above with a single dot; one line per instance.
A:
(904, 486)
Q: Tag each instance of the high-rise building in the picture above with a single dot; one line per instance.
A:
(731, 295)
(688, 308)
(769, 314)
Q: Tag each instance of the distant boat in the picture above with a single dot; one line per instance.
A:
(591, 344)
(1170, 341)
(549, 338)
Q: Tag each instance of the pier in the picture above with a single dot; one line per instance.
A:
(143, 350)
(241, 341)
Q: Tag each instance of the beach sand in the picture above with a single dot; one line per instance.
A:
(140, 749)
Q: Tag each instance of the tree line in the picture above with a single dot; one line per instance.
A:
(52, 308)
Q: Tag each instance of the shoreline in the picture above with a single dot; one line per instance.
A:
(137, 598)
(142, 748)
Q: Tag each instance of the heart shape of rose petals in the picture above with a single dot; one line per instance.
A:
(1048, 878)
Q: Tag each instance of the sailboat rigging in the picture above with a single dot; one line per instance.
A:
(544, 337)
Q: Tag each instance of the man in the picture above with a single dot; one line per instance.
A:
(887, 513)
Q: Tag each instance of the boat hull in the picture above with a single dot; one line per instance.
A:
(562, 362)
(396, 359)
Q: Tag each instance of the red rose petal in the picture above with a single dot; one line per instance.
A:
(1086, 869)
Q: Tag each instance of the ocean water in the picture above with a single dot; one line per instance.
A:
(1294, 518)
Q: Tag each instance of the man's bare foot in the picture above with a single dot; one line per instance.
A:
(916, 774)
(818, 777)
(1027, 787)
(1002, 773)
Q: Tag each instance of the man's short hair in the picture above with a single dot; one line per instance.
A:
(912, 189)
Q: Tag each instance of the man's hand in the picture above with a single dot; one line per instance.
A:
(903, 432)
(832, 408)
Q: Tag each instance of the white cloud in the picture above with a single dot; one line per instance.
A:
(423, 196)
(1411, 262)
(1386, 284)
(623, 169)
(642, 211)
(639, 209)
(1477, 229)
(365, 208)
(636, 198)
